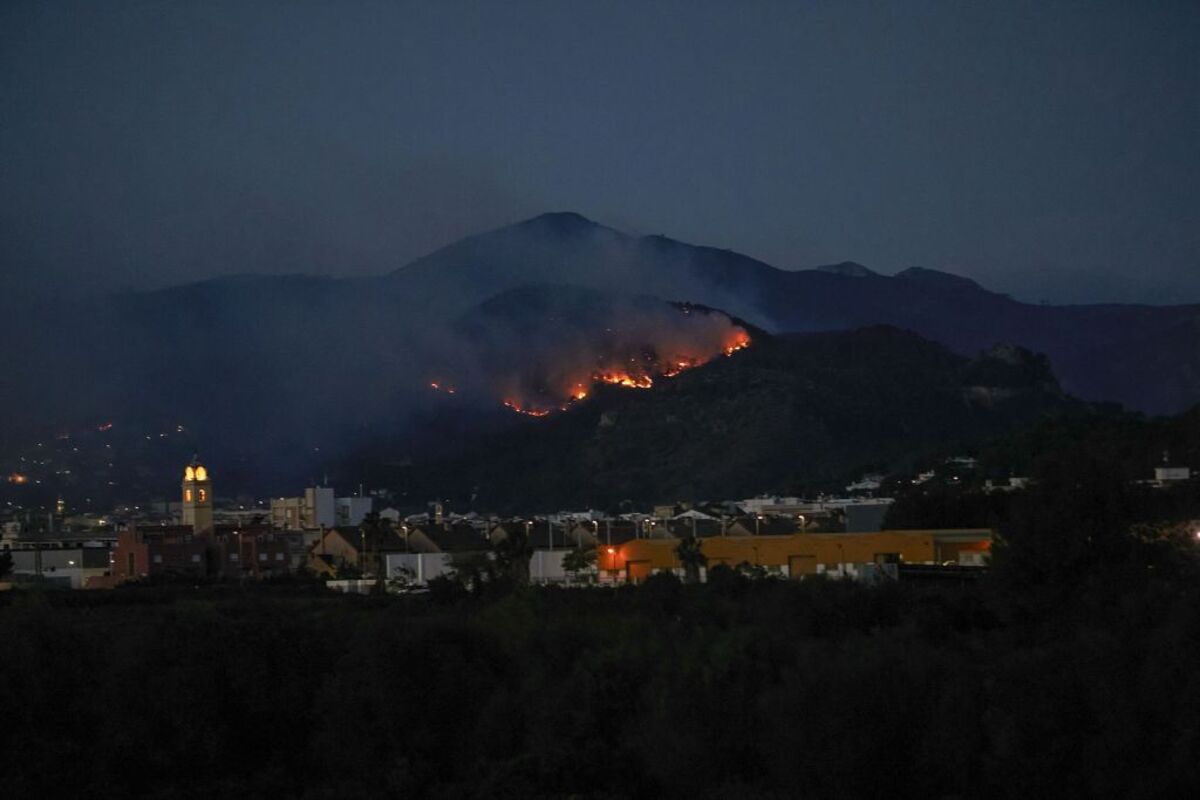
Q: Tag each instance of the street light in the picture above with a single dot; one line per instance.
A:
(758, 518)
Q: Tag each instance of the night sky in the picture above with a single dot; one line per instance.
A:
(1049, 150)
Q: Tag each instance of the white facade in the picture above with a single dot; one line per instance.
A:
(546, 566)
(1171, 474)
(771, 505)
(418, 568)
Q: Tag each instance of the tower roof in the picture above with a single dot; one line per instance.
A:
(195, 471)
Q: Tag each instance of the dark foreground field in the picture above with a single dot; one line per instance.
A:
(735, 688)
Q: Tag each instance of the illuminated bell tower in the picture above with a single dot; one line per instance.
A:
(197, 497)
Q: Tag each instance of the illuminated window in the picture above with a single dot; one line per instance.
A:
(203, 495)
(187, 495)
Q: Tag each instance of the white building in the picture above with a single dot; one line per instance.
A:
(546, 566)
(417, 568)
(1165, 475)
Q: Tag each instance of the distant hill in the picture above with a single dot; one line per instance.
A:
(791, 412)
(285, 374)
(1145, 357)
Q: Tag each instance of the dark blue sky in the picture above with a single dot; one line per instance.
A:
(1050, 150)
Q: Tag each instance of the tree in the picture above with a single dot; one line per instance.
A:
(376, 531)
(513, 552)
(577, 561)
(478, 573)
(6, 563)
(691, 557)
(1075, 520)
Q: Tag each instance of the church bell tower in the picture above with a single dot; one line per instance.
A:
(197, 497)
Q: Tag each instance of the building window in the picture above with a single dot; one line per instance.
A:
(233, 556)
(157, 558)
(262, 556)
(187, 495)
(279, 556)
(203, 495)
(195, 558)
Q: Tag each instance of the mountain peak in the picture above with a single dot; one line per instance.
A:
(560, 222)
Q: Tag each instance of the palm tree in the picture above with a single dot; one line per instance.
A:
(514, 551)
(691, 557)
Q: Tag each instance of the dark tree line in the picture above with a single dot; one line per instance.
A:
(737, 687)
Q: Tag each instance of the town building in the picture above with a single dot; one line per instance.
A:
(316, 508)
(69, 567)
(797, 555)
(197, 509)
(158, 550)
(351, 511)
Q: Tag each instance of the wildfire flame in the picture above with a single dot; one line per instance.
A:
(741, 340)
(639, 376)
(624, 379)
(530, 412)
(547, 388)
(18, 478)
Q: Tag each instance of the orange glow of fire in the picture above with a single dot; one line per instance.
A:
(641, 374)
(624, 379)
(529, 412)
(741, 340)
(18, 478)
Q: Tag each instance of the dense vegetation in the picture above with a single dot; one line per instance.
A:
(746, 688)
(1096, 457)
(789, 414)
